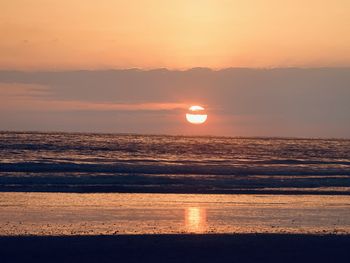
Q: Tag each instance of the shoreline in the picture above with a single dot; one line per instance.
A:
(58, 214)
(161, 190)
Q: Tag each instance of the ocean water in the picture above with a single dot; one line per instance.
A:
(81, 162)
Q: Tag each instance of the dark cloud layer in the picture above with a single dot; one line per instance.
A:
(241, 102)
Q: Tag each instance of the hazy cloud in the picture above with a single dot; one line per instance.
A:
(268, 102)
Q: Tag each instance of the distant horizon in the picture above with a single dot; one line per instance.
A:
(156, 120)
(176, 135)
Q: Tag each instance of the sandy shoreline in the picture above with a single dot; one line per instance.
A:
(56, 214)
(71, 227)
(177, 248)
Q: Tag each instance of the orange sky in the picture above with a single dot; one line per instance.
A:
(71, 34)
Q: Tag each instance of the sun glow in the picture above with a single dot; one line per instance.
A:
(196, 115)
(195, 219)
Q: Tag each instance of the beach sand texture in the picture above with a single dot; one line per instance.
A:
(115, 214)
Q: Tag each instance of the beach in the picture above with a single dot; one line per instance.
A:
(68, 197)
(61, 214)
(174, 131)
(71, 227)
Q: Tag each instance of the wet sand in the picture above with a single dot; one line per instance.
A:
(60, 214)
(70, 227)
(176, 248)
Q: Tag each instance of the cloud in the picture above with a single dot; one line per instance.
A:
(31, 97)
(264, 102)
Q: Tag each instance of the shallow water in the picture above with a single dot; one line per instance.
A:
(77, 162)
(113, 214)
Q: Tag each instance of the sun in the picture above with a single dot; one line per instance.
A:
(196, 115)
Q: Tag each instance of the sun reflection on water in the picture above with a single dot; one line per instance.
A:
(195, 219)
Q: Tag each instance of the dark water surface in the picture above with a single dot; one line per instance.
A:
(76, 162)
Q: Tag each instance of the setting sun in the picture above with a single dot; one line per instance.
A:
(196, 115)
(107, 152)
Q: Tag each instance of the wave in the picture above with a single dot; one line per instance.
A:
(87, 182)
(199, 169)
(136, 163)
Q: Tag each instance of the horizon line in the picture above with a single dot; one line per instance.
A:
(179, 135)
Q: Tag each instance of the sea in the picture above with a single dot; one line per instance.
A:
(133, 163)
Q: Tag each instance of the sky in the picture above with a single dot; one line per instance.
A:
(260, 68)
(181, 34)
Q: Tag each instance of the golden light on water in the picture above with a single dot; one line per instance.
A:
(196, 115)
(195, 219)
